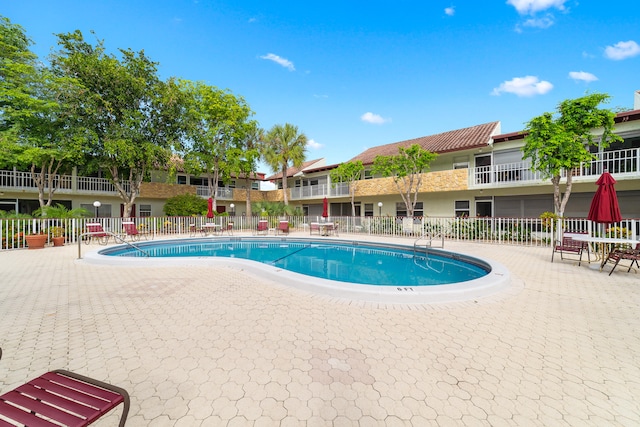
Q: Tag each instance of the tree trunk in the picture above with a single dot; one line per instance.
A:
(284, 184)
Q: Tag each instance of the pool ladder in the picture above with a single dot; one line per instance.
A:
(428, 239)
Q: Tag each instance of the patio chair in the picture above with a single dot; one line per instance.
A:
(132, 232)
(64, 397)
(283, 227)
(314, 228)
(331, 228)
(619, 254)
(230, 228)
(568, 245)
(263, 227)
(96, 232)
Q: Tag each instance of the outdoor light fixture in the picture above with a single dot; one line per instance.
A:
(233, 209)
(379, 208)
(97, 205)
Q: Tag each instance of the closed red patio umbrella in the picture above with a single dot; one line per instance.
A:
(325, 208)
(604, 206)
(210, 208)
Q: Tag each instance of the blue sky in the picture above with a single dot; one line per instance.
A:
(353, 74)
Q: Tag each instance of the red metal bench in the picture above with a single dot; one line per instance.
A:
(61, 398)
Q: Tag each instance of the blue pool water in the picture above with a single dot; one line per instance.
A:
(352, 262)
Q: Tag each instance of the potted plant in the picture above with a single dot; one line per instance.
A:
(36, 241)
(57, 236)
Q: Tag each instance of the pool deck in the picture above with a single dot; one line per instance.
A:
(215, 346)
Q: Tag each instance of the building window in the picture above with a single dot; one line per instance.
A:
(182, 179)
(462, 208)
(401, 209)
(145, 211)
(368, 209)
(255, 185)
(368, 174)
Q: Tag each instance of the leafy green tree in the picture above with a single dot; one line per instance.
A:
(275, 209)
(407, 169)
(244, 157)
(350, 173)
(129, 117)
(215, 123)
(185, 205)
(284, 146)
(36, 133)
(557, 144)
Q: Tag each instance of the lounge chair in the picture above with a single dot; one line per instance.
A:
(571, 246)
(96, 231)
(230, 228)
(67, 398)
(314, 228)
(619, 254)
(131, 231)
(283, 227)
(263, 227)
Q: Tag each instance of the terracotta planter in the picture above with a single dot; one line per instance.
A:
(36, 241)
(58, 241)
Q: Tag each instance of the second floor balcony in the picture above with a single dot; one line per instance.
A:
(318, 191)
(620, 163)
(64, 184)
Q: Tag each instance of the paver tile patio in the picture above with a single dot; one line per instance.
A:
(201, 346)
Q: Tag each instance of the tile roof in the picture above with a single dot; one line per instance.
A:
(294, 170)
(455, 140)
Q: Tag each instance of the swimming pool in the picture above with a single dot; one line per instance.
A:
(362, 270)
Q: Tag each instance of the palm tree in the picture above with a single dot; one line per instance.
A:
(284, 147)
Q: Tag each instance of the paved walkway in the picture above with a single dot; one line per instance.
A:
(203, 346)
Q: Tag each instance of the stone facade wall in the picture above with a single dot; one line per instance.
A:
(162, 190)
(432, 182)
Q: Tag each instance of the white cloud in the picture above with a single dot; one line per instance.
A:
(316, 95)
(450, 10)
(582, 75)
(622, 50)
(523, 86)
(545, 22)
(373, 118)
(279, 60)
(314, 145)
(529, 7)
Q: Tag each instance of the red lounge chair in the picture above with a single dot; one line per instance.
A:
(314, 227)
(96, 231)
(131, 231)
(64, 397)
(619, 254)
(283, 227)
(263, 227)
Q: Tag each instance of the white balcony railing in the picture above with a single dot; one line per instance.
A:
(63, 183)
(222, 193)
(321, 190)
(616, 162)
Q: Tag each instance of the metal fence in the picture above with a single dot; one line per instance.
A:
(516, 231)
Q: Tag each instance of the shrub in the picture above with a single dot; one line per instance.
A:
(185, 205)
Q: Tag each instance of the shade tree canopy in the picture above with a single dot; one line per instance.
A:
(129, 118)
(407, 169)
(557, 143)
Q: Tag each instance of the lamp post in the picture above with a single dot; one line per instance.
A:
(233, 209)
(379, 208)
(97, 205)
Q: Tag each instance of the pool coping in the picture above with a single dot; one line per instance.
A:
(497, 280)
